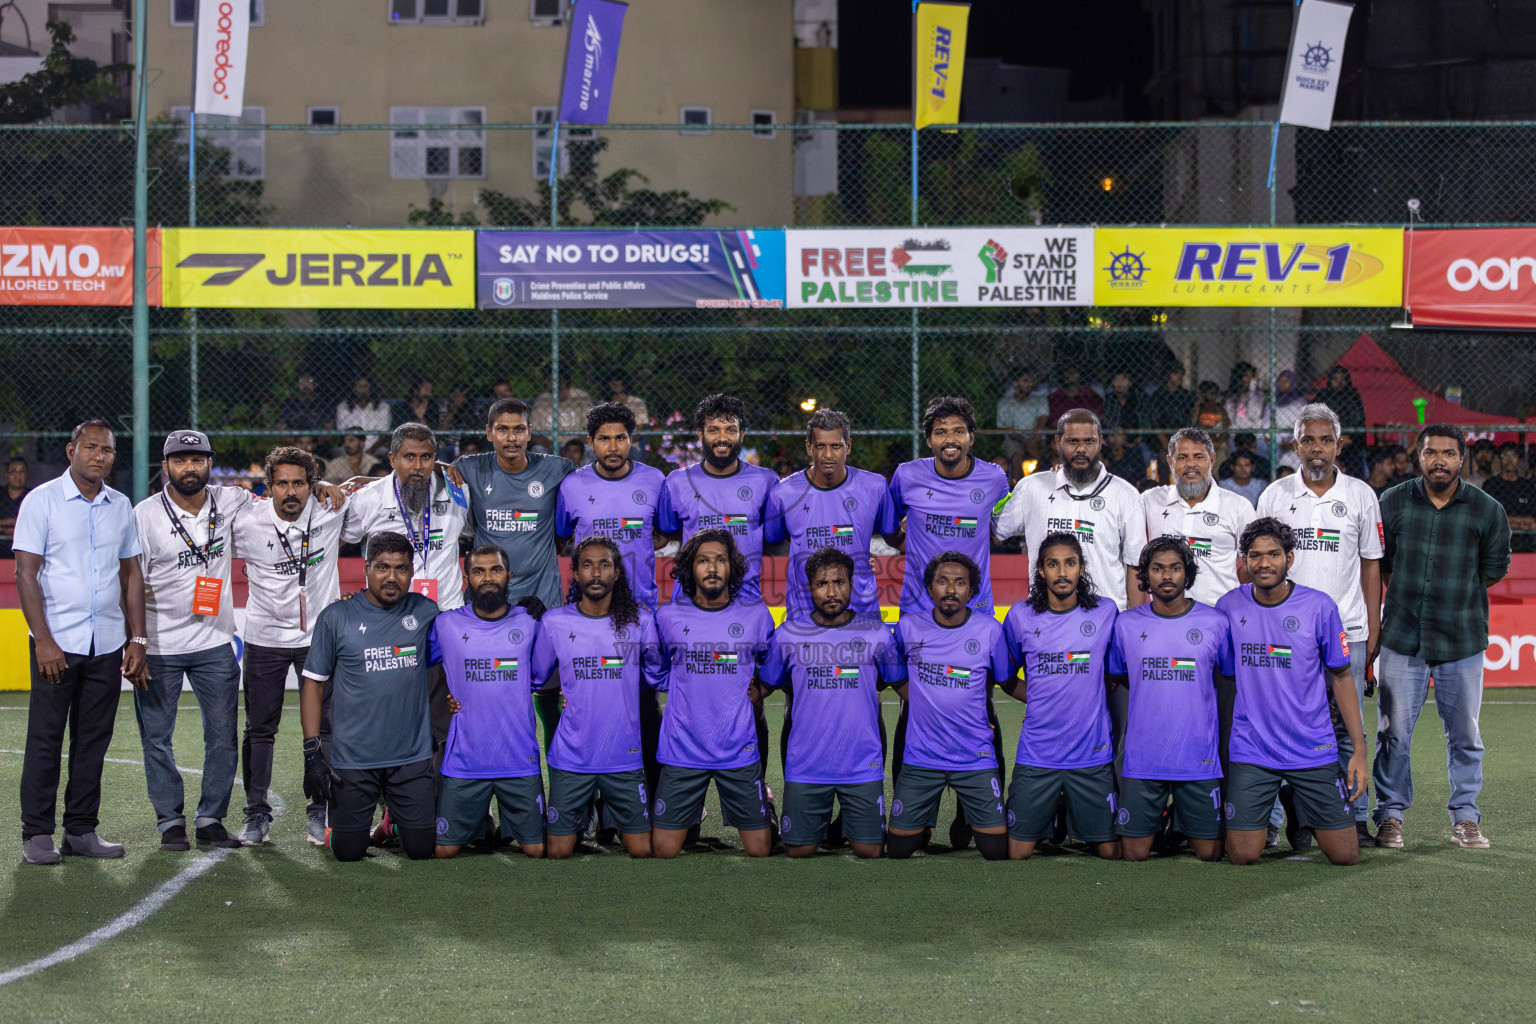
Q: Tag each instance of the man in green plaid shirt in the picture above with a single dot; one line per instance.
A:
(1446, 543)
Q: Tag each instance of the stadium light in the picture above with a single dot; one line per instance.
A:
(808, 405)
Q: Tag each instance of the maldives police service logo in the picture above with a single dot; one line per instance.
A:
(503, 290)
(1194, 636)
(736, 629)
(972, 646)
(1097, 504)
(1087, 629)
(1211, 519)
(515, 635)
(978, 495)
(536, 489)
(638, 497)
(744, 493)
(850, 504)
(858, 645)
(409, 622)
(1291, 623)
(1339, 510)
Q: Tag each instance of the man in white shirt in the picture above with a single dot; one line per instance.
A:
(1209, 518)
(289, 544)
(1337, 521)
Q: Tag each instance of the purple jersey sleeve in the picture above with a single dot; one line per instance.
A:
(542, 661)
(1114, 658)
(774, 529)
(774, 671)
(893, 666)
(564, 524)
(887, 519)
(667, 520)
(1002, 668)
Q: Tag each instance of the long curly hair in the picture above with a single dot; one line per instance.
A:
(1156, 546)
(623, 610)
(1040, 595)
(682, 565)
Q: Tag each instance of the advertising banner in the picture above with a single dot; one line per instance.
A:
(939, 267)
(73, 266)
(219, 61)
(1249, 266)
(1482, 277)
(1317, 54)
(938, 49)
(630, 269)
(259, 268)
(591, 57)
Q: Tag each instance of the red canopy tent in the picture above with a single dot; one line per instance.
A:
(1388, 393)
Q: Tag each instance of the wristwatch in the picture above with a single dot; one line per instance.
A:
(142, 641)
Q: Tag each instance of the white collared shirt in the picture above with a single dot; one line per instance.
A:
(1333, 533)
(1105, 516)
(375, 507)
(1212, 527)
(272, 604)
(171, 569)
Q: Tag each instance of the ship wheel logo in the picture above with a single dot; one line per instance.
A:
(1126, 266)
(1316, 57)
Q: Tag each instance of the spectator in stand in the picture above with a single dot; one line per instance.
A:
(1340, 396)
(1127, 461)
(1169, 407)
(1023, 410)
(1210, 415)
(472, 445)
(419, 406)
(1242, 481)
(363, 412)
(352, 459)
(1073, 394)
(1403, 465)
(1247, 404)
(1383, 461)
(304, 412)
(1290, 399)
(574, 406)
(16, 488)
(1480, 467)
(1245, 444)
(576, 451)
(1120, 404)
(1517, 493)
(618, 392)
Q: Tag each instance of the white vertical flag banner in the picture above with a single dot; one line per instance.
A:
(1312, 72)
(218, 65)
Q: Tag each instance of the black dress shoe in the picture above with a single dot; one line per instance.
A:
(217, 835)
(174, 839)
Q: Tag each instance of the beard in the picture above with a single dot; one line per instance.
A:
(1317, 476)
(185, 489)
(1193, 488)
(415, 494)
(1080, 477)
(490, 599)
(721, 463)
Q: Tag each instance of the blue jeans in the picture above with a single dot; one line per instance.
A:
(1404, 685)
(1357, 666)
(215, 678)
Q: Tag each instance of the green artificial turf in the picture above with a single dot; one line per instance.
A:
(1431, 932)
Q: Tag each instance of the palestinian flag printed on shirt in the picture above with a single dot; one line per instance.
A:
(968, 521)
(722, 658)
(1082, 526)
(504, 663)
(1182, 663)
(1200, 544)
(1077, 657)
(1280, 650)
(519, 516)
(845, 671)
(401, 652)
(843, 530)
(607, 662)
(1327, 534)
(631, 523)
(955, 672)
(735, 519)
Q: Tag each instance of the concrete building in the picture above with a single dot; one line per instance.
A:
(464, 64)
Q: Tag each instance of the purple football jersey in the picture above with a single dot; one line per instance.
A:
(949, 670)
(693, 500)
(622, 509)
(834, 674)
(1066, 714)
(601, 670)
(845, 517)
(488, 667)
(1172, 664)
(946, 515)
(711, 657)
(1281, 719)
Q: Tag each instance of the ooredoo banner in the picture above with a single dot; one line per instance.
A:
(73, 266)
(1478, 277)
(939, 267)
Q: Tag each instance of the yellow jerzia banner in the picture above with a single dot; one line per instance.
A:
(1248, 266)
(281, 269)
(939, 60)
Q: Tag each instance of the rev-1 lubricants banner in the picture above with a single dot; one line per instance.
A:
(939, 267)
(630, 269)
(1319, 266)
(265, 268)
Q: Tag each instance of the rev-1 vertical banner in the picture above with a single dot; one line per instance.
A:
(590, 60)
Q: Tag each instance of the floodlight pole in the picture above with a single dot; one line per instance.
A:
(140, 257)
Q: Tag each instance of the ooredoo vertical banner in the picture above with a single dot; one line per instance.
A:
(590, 60)
(218, 64)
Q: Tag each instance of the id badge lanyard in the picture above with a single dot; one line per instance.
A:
(426, 583)
(302, 562)
(207, 591)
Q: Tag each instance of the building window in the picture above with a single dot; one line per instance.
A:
(323, 120)
(762, 124)
(184, 12)
(694, 116)
(546, 12)
(571, 137)
(436, 12)
(247, 149)
(457, 150)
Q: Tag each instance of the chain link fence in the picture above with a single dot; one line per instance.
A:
(237, 373)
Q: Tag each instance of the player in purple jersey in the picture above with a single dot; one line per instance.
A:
(713, 644)
(836, 661)
(1060, 637)
(954, 654)
(947, 502)
(1291, 650)
(605, 647)
(493, 743)
(830, 505)
(1169, 654)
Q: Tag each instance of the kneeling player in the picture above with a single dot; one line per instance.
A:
(953, 655)
(493, 745)
(1291, 650)
(1169, 653)
(1059, 636)
(604, 645)
(835, 663)
(373, 650)
(712, 645)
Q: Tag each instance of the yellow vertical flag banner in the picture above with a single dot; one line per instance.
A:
(938, 62)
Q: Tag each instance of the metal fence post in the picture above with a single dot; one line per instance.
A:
(140, 259)
(916, 348)
(554, 314)
(192, 223)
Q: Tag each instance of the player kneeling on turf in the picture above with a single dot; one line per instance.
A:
(1291, 650)
(1169, 653)
(953, 655)
(712, 645)
(492, 750)
(835, 663)
(604, 646)
(1060, 635)
(373, 650)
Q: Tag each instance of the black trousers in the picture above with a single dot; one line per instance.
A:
(264, 677)
(85, 701)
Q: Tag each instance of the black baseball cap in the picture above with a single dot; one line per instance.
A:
(183, 442)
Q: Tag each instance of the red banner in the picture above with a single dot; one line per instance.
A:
(73, 266)
(1480, 277)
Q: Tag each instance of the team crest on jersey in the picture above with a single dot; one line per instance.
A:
(661, 806)
(638, 497)
(1211, 519)
(1097, 504)
(1340, 510)
(622, 633)
(896, 806)
(736, 629)
(744, 493)
(515, 635)
(442, 826)
(409, 622)
(1194, 636)
(858, 644)
(978, 495)
(972, 647)
(850, 504)
(784, 825)
(1291, 623)
(1124, 816)
(1087, 629)
(553, 815)
(439, 508)
(535, 489)
(215, 519)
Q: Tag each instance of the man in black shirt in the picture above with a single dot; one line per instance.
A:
(1517, 494)
(304, 413)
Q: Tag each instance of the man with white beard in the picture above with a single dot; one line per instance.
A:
(1209, 518)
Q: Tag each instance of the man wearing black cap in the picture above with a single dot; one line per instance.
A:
(184, 532)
